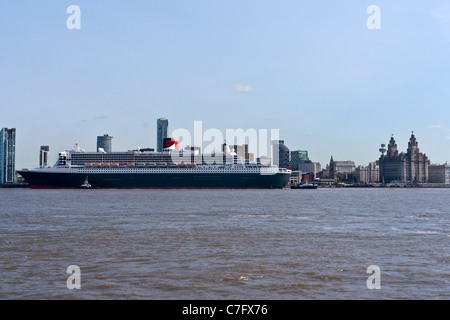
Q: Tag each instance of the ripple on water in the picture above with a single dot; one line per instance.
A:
(228, 244)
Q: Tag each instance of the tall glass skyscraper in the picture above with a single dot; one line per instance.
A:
(297, 157)
(105, 142)
(161, 133)
(7, 155)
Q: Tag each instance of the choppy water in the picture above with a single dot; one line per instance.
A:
(226, 244)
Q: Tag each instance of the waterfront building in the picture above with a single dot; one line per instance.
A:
(281, 154)
(318, 167)
(296, 178)
(367, 174)
(309, 167)
(105, 142)
(411, 166)
(345, 167)
(341, 167)
(7, 155)
(439, 173)
(297, 157)
(43, 156)
(362, 174)
(345, 170)
(161, 133)
(308, 177)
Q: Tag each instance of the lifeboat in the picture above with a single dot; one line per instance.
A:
(130, 164)
(151, 164)
(88, 164)
(114, 164)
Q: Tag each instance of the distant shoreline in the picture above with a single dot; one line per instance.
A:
(384, 187)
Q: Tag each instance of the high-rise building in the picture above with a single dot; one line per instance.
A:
(105, 142)
(161, 133)
(281, 154)
(43, 156)
(411, 166)
(7, 155)
(297, 157)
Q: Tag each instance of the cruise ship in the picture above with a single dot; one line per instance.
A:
(146, 168)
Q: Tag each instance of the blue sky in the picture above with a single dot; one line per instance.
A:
(332, 86)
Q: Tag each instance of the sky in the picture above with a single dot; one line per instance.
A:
(312, 69)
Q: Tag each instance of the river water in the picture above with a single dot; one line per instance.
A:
(225, 244)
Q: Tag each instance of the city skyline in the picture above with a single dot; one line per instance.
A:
(315, 71)
(293, 156)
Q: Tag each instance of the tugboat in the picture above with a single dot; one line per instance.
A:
(86, 184)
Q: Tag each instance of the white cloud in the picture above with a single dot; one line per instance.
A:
(436, 126)
(241, 88)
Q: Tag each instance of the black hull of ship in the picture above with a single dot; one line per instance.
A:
(42, 180)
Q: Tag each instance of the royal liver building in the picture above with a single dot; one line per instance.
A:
(410, 166)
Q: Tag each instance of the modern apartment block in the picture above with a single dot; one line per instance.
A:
(105, 142)
(43, 156)
(7, 155)
(281, 154)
